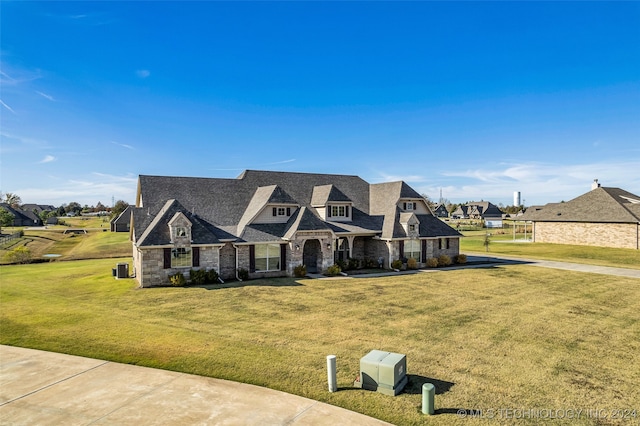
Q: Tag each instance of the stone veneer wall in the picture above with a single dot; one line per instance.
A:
(375, 249)
(453, 250)
(618, 235)
(228, 261)
(151, 261)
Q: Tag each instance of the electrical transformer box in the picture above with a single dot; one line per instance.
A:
(381, 371)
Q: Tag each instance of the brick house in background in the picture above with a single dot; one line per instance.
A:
(270, 222)
(606, 217)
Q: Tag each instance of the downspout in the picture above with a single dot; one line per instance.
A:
(237, 277)
(219, 268)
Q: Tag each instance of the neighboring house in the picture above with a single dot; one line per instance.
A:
(37, 208)
(477, 210)
(607, 217)
(122, 222)
(22, 217)
(440, 210)
(270, 222)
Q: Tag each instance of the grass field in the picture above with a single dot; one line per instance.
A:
(512, 337)
(94, 244)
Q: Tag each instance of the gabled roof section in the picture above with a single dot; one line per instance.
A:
(157, 232)
(304, 220)
(600, 205)
(324, 194)
(431, 226)
(405, 217)
(262, 197)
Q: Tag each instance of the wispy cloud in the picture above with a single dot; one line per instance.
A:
(143, 73)
(47, 159)
(283, 162)
(539, 183)
(123, 145)
(44, 95)
(383, 177)
(7, 106)
(88, 189)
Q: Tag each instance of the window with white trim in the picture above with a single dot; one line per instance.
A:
(181, 257)
(267, 257)
(181, 231)
(412, 249)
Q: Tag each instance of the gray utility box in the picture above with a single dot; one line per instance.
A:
(122, 270)
(384, 372)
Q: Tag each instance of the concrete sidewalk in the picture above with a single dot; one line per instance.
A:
(483, 259)
(47, 388)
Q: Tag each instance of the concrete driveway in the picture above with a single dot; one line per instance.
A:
(45, 388)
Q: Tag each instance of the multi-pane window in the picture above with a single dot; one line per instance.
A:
(181, 231)
(412, 249)
(267, 257)
(337, 210)
(444, 243)
(181, 257)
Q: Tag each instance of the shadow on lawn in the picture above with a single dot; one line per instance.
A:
(414, 386)
(273, 282)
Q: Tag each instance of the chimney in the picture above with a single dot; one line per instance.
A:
(595, 184)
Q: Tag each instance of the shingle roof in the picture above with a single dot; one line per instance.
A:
(324, 193)
(158, 231)
(228, 206)
(602, 205)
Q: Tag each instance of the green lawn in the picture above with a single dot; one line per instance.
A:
(501, 242)
(510, 337)
(92, 245)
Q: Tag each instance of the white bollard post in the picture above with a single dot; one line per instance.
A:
(331, 373)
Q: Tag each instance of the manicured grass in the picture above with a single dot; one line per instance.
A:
(502, 243)
(93, 245)
(512, 337)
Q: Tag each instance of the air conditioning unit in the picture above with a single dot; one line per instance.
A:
(381, 371)
(122, 270)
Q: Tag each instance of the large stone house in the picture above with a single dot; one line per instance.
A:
(270, 222)
(477, 210)
(606, 217)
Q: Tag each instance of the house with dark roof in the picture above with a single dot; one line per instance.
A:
(270, 222)
(440, 210)
(22, 217)
(605, 217)
(122, 222)
(477, 210)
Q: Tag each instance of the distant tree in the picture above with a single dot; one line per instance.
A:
(99, 207)
(6, 218)
(429, 201)
(487, 241)
(73, 207)
(46, 214)
(13, 200)
(118, 208)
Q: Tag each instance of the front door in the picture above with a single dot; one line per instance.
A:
(312, 255)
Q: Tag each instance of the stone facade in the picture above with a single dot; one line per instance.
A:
(149, 265)
(618, 235)
(227, 262)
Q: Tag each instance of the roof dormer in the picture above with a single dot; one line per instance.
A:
(180, 228)
(411, 224)
(269, 204)
(331, 204)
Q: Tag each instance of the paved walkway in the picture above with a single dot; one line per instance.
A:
(47, 388)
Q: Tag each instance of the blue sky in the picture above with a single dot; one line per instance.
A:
(477, 99)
